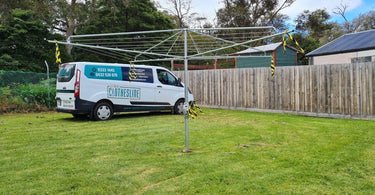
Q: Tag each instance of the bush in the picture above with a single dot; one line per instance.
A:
(28, 97)
(36, 93)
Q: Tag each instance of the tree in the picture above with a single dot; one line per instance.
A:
(71, 14)
(279, 22)
(126, 16)
(242, 13)
(180, 9)
(340, 10)
(23, 45)
(307, 43)
(314, 23)
(6, 8)
(63, 16)
(122, 16)
(363, 22)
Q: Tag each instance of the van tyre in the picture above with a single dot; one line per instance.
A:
(103, 111)
(179, 107)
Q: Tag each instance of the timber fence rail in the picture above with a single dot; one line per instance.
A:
(342, 90)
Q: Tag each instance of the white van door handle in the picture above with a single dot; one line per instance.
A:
(159, 86)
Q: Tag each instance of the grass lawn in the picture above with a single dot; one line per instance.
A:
(234, 152)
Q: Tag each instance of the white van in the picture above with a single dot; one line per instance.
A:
(98, 90)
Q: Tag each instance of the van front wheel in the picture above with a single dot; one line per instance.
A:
(179, 107)
(103, 111)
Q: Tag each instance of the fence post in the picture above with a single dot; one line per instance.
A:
(49, 91)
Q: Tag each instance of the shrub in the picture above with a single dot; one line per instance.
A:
(36, 93)
(27, 97)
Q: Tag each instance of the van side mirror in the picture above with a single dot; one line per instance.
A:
(179, 82)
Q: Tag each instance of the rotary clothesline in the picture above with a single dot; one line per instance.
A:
(169, 44)
(177, 44)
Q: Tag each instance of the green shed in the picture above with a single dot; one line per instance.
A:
(263, 53)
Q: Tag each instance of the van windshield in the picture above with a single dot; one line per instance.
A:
(66, 72)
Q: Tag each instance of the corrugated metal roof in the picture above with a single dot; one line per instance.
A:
(347, 43)
(269, 47)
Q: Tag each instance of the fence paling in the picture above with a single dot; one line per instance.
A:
(332, 89)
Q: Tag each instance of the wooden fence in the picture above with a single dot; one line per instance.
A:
(321, 90)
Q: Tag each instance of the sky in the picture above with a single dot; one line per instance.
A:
(208, 8)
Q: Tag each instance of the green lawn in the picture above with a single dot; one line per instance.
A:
(234, 152)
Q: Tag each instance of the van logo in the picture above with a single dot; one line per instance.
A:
(93, 72)
(124, 92)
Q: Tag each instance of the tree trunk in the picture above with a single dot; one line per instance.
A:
(69, 32)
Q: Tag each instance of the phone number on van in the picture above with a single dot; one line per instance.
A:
(125, 93)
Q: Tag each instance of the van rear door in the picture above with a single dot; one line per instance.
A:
(66, 79)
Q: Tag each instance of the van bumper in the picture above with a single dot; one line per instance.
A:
(81, 107)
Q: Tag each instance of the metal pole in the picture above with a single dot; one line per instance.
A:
(49, 91)
(186, 92)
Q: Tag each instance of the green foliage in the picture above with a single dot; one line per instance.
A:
(6, 8)
(23, 45)
(27, 98)
(364, 21)
(6, 92)
(119, 16)
(8, 60)
(316, 23)
(240, 13)
(308, 44)
(26, 92)
(36, 94)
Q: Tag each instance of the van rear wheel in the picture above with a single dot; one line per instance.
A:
(103, 111)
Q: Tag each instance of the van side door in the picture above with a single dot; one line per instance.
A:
(142, 80)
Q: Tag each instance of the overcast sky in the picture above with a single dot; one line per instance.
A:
(208, 8)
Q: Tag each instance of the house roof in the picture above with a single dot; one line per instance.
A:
(263, 48)
(347, 43)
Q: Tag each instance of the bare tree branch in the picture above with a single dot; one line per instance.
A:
(340, 10)
(284, 5)
(180, 9)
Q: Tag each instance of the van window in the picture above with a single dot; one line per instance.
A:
(167, 78)
(66, 72)
(142, 75)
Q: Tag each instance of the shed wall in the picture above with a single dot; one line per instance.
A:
(285, 59)
(366, 53)
(255, 62)
(282, 59)
(344, 58)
